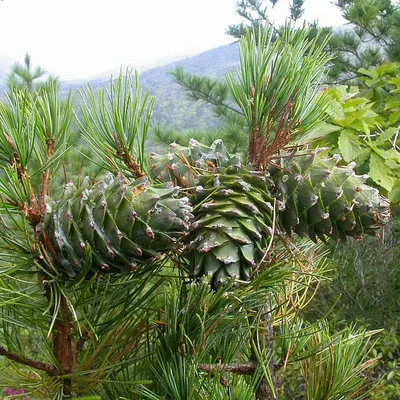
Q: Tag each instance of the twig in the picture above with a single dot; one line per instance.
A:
(127, 158)
(239, 368)
(16, 161)
(33, 213)
(49, 369)
(79, 344)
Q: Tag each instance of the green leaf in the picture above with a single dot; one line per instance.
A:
(352, 104)
(391, 154)
(392, 103)
(380, 172)
(394, 194)
(322, 130)
(386, 135)
(388, 68)
(351, 147)
(335, 110)
(394, 117)
(371, 73)
(395, 81)
(343, 93)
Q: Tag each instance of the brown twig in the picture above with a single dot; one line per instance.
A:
(41, 366)
(261, 148)
(127, 158)
(238, 368)
(79, 344)
(32, 213)
(62, 343)
(16, 161)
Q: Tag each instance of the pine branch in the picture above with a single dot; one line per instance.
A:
(32, 211)
(41, 366)
(16, 162)
(116, 121)
(209, 99)
(128, 159)
(239, 368)
(195, 86)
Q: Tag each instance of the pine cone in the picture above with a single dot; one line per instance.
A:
(122, 225)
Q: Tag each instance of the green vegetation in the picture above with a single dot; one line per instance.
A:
(374, 39)
(364, 126)
(124, 285)
(118, 284)
(25, 77)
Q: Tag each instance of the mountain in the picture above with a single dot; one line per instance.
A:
(172, 108)
(139, 67)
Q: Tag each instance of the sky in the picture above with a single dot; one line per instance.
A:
(77, 39)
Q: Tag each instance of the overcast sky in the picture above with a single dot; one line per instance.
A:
(81, 38)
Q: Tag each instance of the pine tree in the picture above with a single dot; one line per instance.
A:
(126, 285)
(372, 39)
(25, 76)
(296, 10)
(375, 38)
(255, 13)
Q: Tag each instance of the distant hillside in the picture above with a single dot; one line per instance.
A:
(172, 108)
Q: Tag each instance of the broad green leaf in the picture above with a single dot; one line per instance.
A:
(390, 375)
(366, 129)
(394, 166)
(386, 135)
(388, 68)
(372, 82)
(322, 130)
(392, 154)
(351, 147)
(335, 110)
(394, 117)
(343, 93)
(393, 103)
(371, 73)
(380, 172)
(395, 81)
(345, 122)
(352, 104)
(394, 194)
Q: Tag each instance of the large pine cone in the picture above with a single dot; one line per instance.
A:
(121, 225)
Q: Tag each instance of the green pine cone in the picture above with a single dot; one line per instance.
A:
(121, 225)
(317, 198)
(314, 197)
(233, 224)
(182, 165)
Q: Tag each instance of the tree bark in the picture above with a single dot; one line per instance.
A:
(62, 343)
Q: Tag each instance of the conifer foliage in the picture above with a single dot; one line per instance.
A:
(370, 36)
(181, 276)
